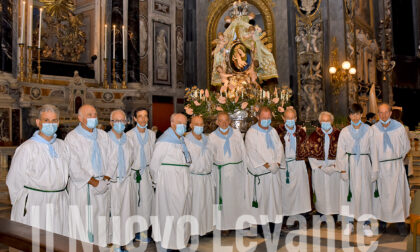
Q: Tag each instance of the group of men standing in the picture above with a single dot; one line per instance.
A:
(188, 184)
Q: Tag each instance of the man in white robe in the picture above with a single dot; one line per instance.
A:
(123, 191)
(295, 190)
(90, 173)
(266, 154)
(230, 174)
(392, 144)
(358, 163)
(38, 177)
(142, 141)
(202, 182)
(322, 151)
(169, 168)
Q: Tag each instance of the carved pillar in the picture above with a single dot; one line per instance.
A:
(309, 44)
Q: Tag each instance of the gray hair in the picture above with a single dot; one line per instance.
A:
(325, 113)
(292, 110)
(48, 108)
(117, 110)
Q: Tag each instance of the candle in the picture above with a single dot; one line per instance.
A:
(105, 32)
(113, 49)
(124, 45)
(22, 22)
(40, 25)
(30, 25)
(242, 94)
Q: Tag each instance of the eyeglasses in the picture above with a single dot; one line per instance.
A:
(119, 121)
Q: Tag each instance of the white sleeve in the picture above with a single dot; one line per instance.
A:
(79, 175)
(405, 142)
(341, 159)
(256, 161)
(16, 177)
(159, 153)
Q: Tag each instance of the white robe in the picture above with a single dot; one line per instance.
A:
(202, 184)
(147, 194)
(173, 195)
(393, 203)
(32, 166)
(361, 174)
(268, 187)
(123, 197)
(296, 196)
(233, 180)
(326, 186)
(81, 172)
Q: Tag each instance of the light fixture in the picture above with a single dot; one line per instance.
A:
(346, 65)
(352, 71)
(332, 70)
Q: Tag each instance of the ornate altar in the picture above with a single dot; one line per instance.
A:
(242, 60)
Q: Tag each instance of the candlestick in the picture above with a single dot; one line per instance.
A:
(40, 26)
(31, 13)
(29, 65)
(114, 82)
(39, 65)
(106, 73)
(105, 32)
(113, 49)
(124, 45)
(21, 70)
(22, 23)
(123, 84)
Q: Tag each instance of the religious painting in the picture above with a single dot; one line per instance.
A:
(240, 58)
(161, 53)
(5, 130)
(363, 13)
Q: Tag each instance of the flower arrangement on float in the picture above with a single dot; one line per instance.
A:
(234, 99)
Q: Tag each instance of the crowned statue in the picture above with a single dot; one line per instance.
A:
(240, 52)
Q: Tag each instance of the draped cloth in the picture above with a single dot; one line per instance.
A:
(169, 136)
(292, 137)
(326, 144)
(226, 146)
(142, 142)
(121, 158)
(386, 139)
(37, 138)
(357, 135)
(268, 140)
(96, 154)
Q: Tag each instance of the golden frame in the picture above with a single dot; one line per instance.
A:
(218, 7)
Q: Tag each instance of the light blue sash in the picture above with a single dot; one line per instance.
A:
(37, 138)
(121, 158)
(96, 153)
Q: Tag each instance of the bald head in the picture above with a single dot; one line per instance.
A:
(384, 111)
(178, 118)
(86, 111)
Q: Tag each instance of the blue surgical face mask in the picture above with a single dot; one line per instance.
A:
(290, 123)
(265, 123)
(142, 127)
(119, 127)
(49, 129)
(92, 123)
(356, 124)
(224, 130)
(180, 129)
(326, 126)
(385, 122)
(198, 130)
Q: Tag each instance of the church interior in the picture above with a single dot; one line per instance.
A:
(201, 57)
